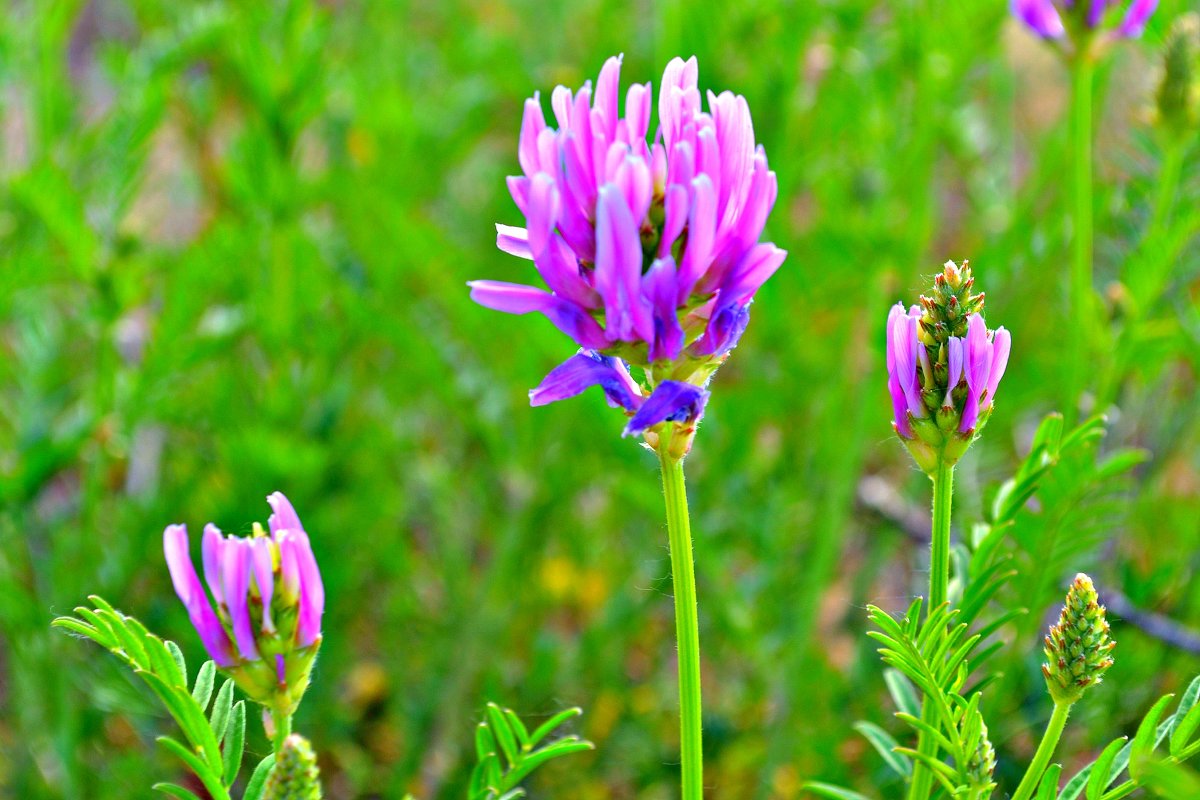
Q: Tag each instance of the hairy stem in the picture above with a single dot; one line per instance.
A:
(282, 721)
(1045, 751)
(687, 631)
(939, 581)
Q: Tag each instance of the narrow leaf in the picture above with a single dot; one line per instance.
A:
(885, 745)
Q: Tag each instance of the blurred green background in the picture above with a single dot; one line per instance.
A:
(234, 238)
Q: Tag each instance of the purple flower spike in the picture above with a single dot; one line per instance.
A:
(269, 601)
(649, 247)
(191, 593)
(944, 367)
(671, 401)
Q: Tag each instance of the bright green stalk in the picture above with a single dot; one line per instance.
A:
(687, 630)
(939, 581)
(1045, 751)
(1082, 314)
(282, 721)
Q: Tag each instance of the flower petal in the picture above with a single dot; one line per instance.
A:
(1041, 16)
(191, 593)
(582, 371)
(659, 286)
(618, 275)
(512, 298)
(1001, 344)
(513, 240)
(262, 550)
(1136, 17)
(235, 584)
(671, 401)
(724, 330)
(532, 124)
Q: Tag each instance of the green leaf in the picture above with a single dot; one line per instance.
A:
(82, 628)
(1145, 740)
(189, 716)
(518, 727)
(485, 742)
(508, 743)
(205, 678)
(885, 745)
(258, 779)
(1048, 788)
(211, 780)
(1186, 718)
(221, 708)
(1101, 770)
(180, 661)
(834, 792)
(548, 727)
(902, 692)
(234, 742)
(535, 759)
(1170, 781)
(175, 791)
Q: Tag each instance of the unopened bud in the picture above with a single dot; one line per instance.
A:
(1177, 96)
(1078, 648)
(295, 775)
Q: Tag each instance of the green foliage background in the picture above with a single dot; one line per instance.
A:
(234, 238)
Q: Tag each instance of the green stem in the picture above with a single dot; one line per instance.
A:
(1082, 314)
(939, 540)
(939, 582)
(1045, 751)
(283, 729)
(687, 630)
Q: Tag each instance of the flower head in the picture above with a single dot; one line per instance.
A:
(1078, 649)
(944, 368)
(265, 629)
(1080, 19)
(1178, 95)
(649, 249)
(295, 775)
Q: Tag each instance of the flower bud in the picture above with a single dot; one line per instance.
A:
(944, 367)
(1177, 95)
(265, 629)
(295, 775)
(982, 762)
(1078, 649)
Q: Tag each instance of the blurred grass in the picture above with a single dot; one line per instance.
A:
(233, 241)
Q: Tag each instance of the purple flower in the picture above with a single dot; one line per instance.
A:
(904, 382)
(977, 359)
(1046, 17)
(266, 588)
(649, 249)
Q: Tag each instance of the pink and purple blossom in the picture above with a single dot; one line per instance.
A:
(267, 594)
(649, 250)
(960, 376)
